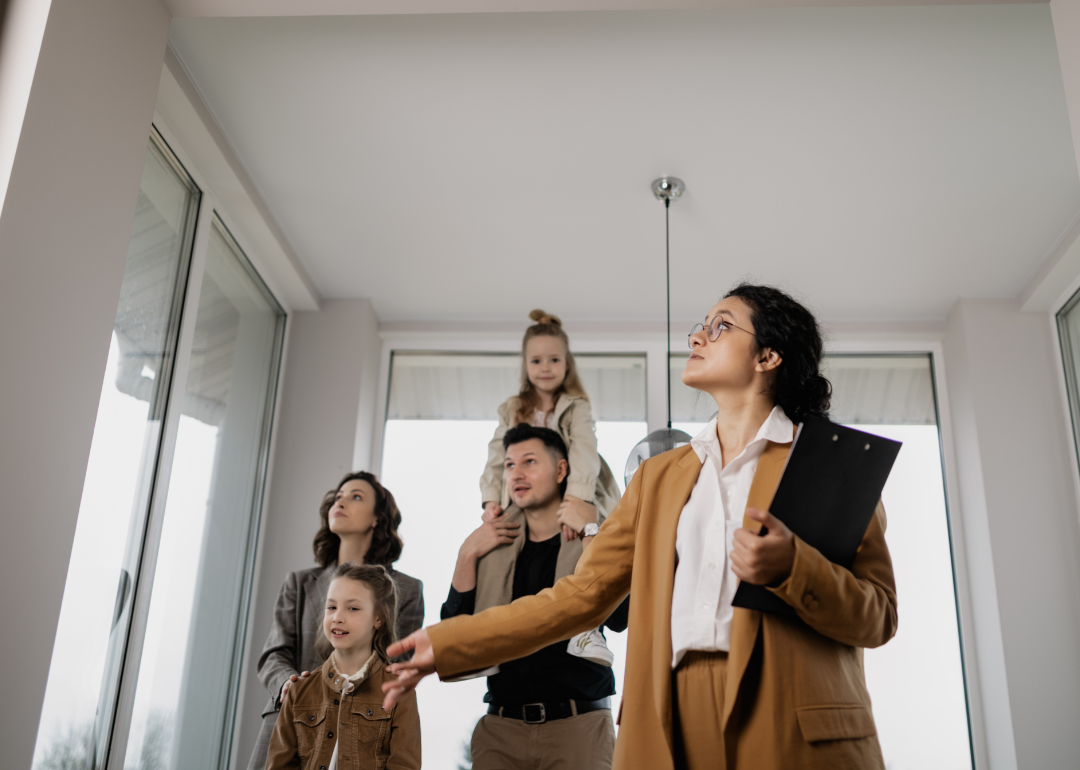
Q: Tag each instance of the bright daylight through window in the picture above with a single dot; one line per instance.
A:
(120, 474)
(441, 417)
(146, 662)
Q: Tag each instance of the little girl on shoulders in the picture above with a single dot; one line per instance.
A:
(335, 718)
(552, 396)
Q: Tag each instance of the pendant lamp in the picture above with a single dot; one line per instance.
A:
(667, 189)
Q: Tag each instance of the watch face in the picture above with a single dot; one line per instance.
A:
(591, 529)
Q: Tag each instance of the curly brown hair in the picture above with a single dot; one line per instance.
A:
(383, 591)
(386, 543)
(780, 322)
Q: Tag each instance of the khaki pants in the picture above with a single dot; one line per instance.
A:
(584, 742)
(699, 706)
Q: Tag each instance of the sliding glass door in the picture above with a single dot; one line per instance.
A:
(162, 557)
(96, 612)
(189, 668)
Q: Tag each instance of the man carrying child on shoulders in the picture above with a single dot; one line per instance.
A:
(551, 708)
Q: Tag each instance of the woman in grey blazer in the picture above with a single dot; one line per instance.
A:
(360, 520)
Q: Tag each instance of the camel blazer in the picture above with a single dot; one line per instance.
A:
(795, 693)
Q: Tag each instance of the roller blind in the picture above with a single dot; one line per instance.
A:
(463, 386)
(867, 390)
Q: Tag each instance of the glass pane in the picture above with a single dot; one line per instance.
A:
(97, 594)
(442, 413)
(187, 677)
(916, 681)
(117, 486)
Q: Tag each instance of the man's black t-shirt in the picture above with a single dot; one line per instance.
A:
(548, 675)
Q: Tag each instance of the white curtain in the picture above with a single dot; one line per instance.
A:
(452, 386)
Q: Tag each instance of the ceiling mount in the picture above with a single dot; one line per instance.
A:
(668, 189)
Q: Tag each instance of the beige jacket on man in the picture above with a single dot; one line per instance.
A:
(795, 694)
(590, 479)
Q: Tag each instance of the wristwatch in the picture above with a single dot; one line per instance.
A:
(590, 530)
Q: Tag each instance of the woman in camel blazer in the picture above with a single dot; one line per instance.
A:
(769, 693)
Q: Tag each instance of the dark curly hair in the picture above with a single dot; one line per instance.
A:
(386, 543)
(797, 385)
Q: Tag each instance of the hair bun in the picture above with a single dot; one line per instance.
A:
(540, 317)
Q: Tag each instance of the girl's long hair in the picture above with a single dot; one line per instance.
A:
(545, 325)
(386, 543)
(784, 325)
(378, 580)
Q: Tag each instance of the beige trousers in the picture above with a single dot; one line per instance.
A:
(699, 705)
(584, 742)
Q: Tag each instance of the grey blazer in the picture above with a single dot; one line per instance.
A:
(290, 647)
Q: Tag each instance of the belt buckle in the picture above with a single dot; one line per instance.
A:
(539, 709)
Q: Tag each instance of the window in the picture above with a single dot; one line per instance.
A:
(441, 416)
(170, 499)
(191, 652)
(916, 681)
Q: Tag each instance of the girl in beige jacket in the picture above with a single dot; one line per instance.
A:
(552, 396)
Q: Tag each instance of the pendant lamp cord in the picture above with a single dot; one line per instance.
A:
(667, 265)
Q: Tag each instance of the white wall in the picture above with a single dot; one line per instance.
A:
(330, 359)
(1022, 530)
(64, 231)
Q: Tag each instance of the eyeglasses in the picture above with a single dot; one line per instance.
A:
(716, 326)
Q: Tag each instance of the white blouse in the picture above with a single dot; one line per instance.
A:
(701, 609)
(544, 420)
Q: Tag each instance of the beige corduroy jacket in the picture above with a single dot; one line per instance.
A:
(316, 715)
(796, 696)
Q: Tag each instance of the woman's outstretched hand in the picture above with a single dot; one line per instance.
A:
(409, 672)
(763, 560)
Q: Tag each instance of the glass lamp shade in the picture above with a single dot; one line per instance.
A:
(657, 442)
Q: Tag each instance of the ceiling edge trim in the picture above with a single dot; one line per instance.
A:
(1058, 273)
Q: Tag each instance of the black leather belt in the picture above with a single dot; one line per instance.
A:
(538, 713)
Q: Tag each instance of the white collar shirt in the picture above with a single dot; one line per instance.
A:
(705, 584)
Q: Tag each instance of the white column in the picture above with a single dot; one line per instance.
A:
(72, 165)
(1019, 510)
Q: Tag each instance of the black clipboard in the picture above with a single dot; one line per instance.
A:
(828, 490)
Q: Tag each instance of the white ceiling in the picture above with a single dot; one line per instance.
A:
(881, 162)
